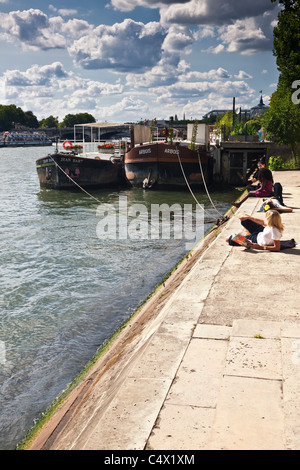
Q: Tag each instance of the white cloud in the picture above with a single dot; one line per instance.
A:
(184, 90)
(213, 74)
(165, 72)
(214, 50)
(63, 11)
(129, 5)
(177, 39)
(245, 37)
(243, 75)
(35, 75)
(31, 28)
(130, 107)
(214, 12)
(49, 89)
(72, 28)
(122, 47)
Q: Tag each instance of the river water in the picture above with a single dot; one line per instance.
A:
(63, 290)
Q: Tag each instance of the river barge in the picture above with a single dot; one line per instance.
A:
(166, 165)
(64, 170)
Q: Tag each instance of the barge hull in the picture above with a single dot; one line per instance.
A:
(159, 163)
(86, 172)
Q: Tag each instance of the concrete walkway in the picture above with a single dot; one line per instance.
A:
(217, 367)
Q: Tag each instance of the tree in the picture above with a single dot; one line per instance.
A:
(224, 123)
(287, 41)
(11, 116)
(48, 122)
(282, 121)
(81, 118)
(31, 120)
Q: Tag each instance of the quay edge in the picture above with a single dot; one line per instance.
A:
(51, 422)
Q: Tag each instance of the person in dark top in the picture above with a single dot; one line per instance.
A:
(265, 188)
(255, 183)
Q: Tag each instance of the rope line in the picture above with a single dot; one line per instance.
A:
(222, 219)
(203, 179)
(57, 165)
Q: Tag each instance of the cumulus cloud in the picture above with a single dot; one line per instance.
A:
(178, 38)
(130, 106)
(165, 72)
(242, 75)
(128, 5)
(245, 37)
(122, 47)
(74, 28)
(35, 75)
(216, 12)
(212, 74)
(191, 90)
(38, 88)
(31, 28)
(214, 49)
(63, 11)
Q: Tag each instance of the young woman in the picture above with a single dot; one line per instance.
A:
(266, 187)
(263, 234)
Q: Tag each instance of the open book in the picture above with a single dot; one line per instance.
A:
(241, 240)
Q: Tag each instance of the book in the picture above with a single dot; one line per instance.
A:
(241, 240)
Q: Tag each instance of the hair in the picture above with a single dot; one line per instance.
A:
(262, 160)
(273, 219)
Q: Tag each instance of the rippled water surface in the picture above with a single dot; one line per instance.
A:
(64, 291)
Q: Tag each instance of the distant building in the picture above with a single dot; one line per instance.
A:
(215, 112)
(261, 108)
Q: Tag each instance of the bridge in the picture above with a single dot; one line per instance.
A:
(89, 132)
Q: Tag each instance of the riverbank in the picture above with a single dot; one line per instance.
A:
(211, 361)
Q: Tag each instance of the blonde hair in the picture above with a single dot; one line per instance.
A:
(273, 219)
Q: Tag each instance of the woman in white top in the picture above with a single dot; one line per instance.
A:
(263, 234)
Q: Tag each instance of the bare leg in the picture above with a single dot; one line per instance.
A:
(251, 194)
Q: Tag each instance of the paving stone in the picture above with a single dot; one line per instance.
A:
(249, 415)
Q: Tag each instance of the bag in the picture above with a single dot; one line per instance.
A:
(285, 244)
(278, 193)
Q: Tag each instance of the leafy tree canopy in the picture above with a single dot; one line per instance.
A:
(11, 116)
(81, 118)
(287, 41)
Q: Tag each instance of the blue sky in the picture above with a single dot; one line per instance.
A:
(126, 60)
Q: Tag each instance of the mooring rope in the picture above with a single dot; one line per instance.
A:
(204, 182)
(218, 221)
(71, 179)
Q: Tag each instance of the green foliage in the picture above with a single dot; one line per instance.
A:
(152, 129)
(81, 118)
(224, 123)
(48, 122)
(11, 116)
(287, 42)
(275, 163)
(194, 135)
(282, 121)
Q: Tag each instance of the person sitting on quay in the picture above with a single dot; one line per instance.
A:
(255, 184)
(262, 234)
(265, 189)
(273, 203)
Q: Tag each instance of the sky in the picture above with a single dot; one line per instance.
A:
(127, 60)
